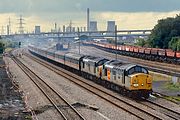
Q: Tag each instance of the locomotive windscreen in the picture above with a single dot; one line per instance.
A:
(137, 69)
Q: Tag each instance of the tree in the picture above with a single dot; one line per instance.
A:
(141, 42)
(164, 31)
(174, 44)
(1, 47)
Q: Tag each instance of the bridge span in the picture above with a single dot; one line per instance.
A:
(92, 34)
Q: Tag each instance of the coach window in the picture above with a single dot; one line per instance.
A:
(123, 76)
(83, 64)
(119, 74)
(89, 67)
(114, 74)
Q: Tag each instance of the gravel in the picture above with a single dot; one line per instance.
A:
(11, 102)
(34, 98)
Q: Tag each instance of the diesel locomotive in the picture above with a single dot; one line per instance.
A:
(126, 78)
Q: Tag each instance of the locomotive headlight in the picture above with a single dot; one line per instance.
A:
(135, 85)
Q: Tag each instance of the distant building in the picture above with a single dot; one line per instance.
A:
(68, 29)
(37, 29)
(111, 26)
(73, 29)
(64, 28)
(93, 26)
(88, 19)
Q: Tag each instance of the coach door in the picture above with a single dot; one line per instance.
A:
(123, 76)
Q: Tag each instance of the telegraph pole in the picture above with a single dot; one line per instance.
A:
(88, 19)
(70, 26)
(116, 39)
(79, 39)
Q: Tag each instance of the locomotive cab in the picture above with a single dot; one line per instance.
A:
(140, 82)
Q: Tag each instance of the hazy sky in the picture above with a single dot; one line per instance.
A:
(128, 14)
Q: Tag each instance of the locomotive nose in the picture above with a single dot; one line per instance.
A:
(141, 81)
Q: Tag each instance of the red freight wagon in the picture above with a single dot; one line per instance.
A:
(136, 49)
(170, 53)
(154, 51)
(131, 49)
(178, 54)
(106, 46)
(119, 47)
(109, 45)
(114, 47)
(127, 48)
(162, 52)
(141, 50)
(123, 47)
(147, 51)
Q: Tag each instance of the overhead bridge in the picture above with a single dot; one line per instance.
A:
(93, 34)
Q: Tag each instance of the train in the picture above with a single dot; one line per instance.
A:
(153, 54)
(125, 78)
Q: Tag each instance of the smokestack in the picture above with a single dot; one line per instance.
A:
(64, 28)
(88, 19)
(55, 27)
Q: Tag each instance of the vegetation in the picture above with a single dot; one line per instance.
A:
(6, 44)
(141, 42)
(166, 34)
(175, 99)
(174, 44)
(112, 41)
(172, 86)
(2, 46)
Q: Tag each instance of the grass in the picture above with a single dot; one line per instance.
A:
(173, 98)
(172, 86)
(8, 49)
(28, 117)
(160, 77)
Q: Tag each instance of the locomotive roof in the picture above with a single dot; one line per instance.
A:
(117, 64)
(95, 61)
(61, 52)
(74, 55)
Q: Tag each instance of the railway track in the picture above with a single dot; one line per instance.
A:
(63, 107)
(163, 96)
(165, 110)
(124, 104)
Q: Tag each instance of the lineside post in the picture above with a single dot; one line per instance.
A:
(79, 40)
(116, 39)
